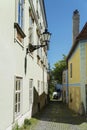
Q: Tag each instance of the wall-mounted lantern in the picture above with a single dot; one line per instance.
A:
(44, 37)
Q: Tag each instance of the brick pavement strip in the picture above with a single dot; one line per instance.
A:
(44, 125)
(56, 116)
(83, 126)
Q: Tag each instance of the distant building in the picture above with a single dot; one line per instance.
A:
(58, 86)
(23, 75)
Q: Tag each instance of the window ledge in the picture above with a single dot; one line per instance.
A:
(16, 25)
(17, 116)
(16, 40)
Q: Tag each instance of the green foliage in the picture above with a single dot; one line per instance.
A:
(58, 69)
(29, 123)
(26, 123)
(16, 127)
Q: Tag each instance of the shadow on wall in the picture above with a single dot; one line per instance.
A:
(39, 101)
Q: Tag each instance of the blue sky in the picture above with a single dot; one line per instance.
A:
(59, 16)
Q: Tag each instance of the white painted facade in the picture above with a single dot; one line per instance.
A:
(65, 85)
(12, 62)
(83, 81)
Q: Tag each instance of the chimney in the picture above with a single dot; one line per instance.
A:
(76, 21)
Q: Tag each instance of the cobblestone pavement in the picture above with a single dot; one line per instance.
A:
(57, 116)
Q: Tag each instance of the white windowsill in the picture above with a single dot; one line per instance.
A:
(16, 40)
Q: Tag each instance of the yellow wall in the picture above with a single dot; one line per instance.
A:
(64, 93)
(74, 89)
(86, 59)
(75, 60)
(75, 92)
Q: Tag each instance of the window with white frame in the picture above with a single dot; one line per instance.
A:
(18, 92)
(37, 8)
(19, 21)
(39, 51)
(37, 42)
(31, 24)
(30, 91)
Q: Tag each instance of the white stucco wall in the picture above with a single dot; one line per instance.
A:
(12, 58)
(7, 63)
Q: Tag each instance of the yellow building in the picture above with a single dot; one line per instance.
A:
(77, 72)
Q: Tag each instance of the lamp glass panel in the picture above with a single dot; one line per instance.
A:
(45, 36)
(49, 36)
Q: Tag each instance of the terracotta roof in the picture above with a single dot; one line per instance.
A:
(82, 36)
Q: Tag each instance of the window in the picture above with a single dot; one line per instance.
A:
(20, 13)
(31, 29)
(70, 70)
(37, 7)
(38, 42)
(19, 22)
(70, 97)
(30, 91)
(39, 51)
(31, 24)
(18, 87)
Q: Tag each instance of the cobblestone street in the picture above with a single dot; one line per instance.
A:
(56, 116)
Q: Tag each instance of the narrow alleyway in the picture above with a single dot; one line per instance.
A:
(56, 116)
